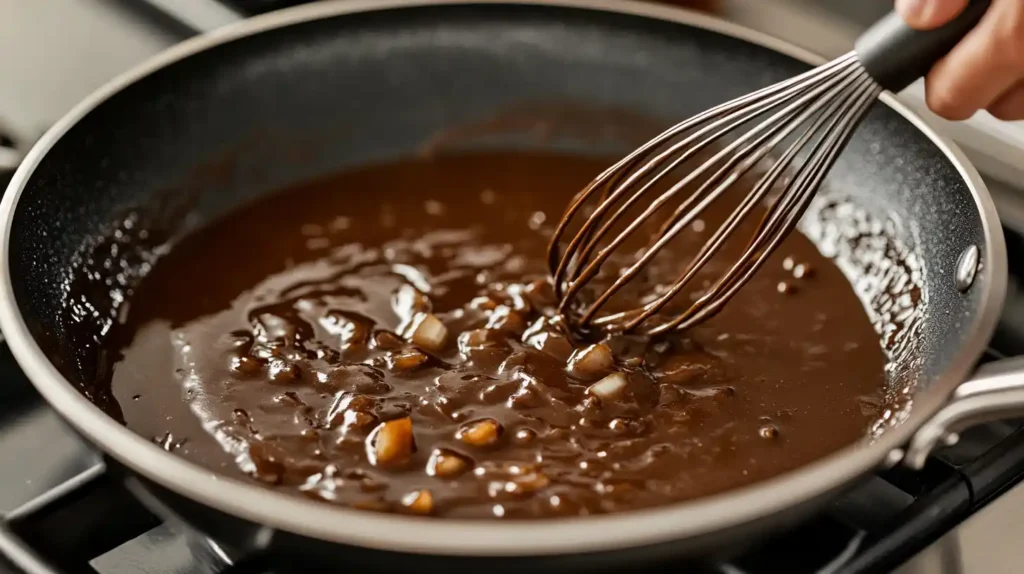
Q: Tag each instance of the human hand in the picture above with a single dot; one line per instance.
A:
(985, 70)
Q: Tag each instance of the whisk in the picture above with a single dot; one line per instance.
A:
(827, 102)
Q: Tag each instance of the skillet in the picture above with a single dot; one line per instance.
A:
(361, 81)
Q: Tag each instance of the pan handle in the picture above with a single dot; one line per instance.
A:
(995, 392)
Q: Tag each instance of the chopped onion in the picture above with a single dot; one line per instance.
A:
(610, 387)
(427, 331)
(419, 501)
(503, 318)
(391, 442)
(484, 432)
(444, 463)
(407, 360)
(480, 339)
(590, 362)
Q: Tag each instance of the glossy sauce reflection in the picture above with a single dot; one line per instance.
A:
(381, 339)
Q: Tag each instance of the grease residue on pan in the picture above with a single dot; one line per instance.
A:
(889, 278)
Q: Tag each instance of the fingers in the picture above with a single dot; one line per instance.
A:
(1010, 105)
(928, 14)
(986, 64)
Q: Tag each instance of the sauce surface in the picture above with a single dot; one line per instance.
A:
(382, 339)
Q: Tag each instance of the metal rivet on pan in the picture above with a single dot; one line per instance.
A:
(966, 268)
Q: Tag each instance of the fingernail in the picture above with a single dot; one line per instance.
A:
(915, 12)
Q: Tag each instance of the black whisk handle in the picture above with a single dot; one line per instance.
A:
(896, 55)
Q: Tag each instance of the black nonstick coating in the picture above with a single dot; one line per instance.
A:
(292, 103)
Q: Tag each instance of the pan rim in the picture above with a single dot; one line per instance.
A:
(476, 537)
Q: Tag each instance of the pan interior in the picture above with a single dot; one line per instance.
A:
(205, 134)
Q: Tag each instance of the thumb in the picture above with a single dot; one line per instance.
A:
(928, 14)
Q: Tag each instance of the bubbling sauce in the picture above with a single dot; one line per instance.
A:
(385, 339)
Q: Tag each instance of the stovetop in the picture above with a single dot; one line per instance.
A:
(62, 507)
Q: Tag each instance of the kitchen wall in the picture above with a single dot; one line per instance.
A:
(55, 52)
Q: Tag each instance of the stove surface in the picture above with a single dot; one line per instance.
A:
(72, 514)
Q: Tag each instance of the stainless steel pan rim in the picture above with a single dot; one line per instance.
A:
(461, 537)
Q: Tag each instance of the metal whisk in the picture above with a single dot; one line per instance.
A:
(815, 113)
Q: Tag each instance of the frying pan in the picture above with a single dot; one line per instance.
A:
(356, 81)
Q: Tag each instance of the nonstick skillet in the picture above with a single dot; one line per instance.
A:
(355, 81)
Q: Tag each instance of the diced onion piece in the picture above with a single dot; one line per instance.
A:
(590, 362)
(427, 331)
(419, 501)
(609, 388)
(478, 339)
(406, 360)
(391, 442)
(484, 432)
(444, 463)
(503, 318)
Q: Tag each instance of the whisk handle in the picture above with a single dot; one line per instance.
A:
(896, 55)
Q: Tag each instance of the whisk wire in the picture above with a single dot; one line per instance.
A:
(580, 258)
(832, 99)
(686, 213)
(770, 96)
(782, 220)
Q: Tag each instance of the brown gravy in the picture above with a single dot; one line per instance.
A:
(275, 343)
